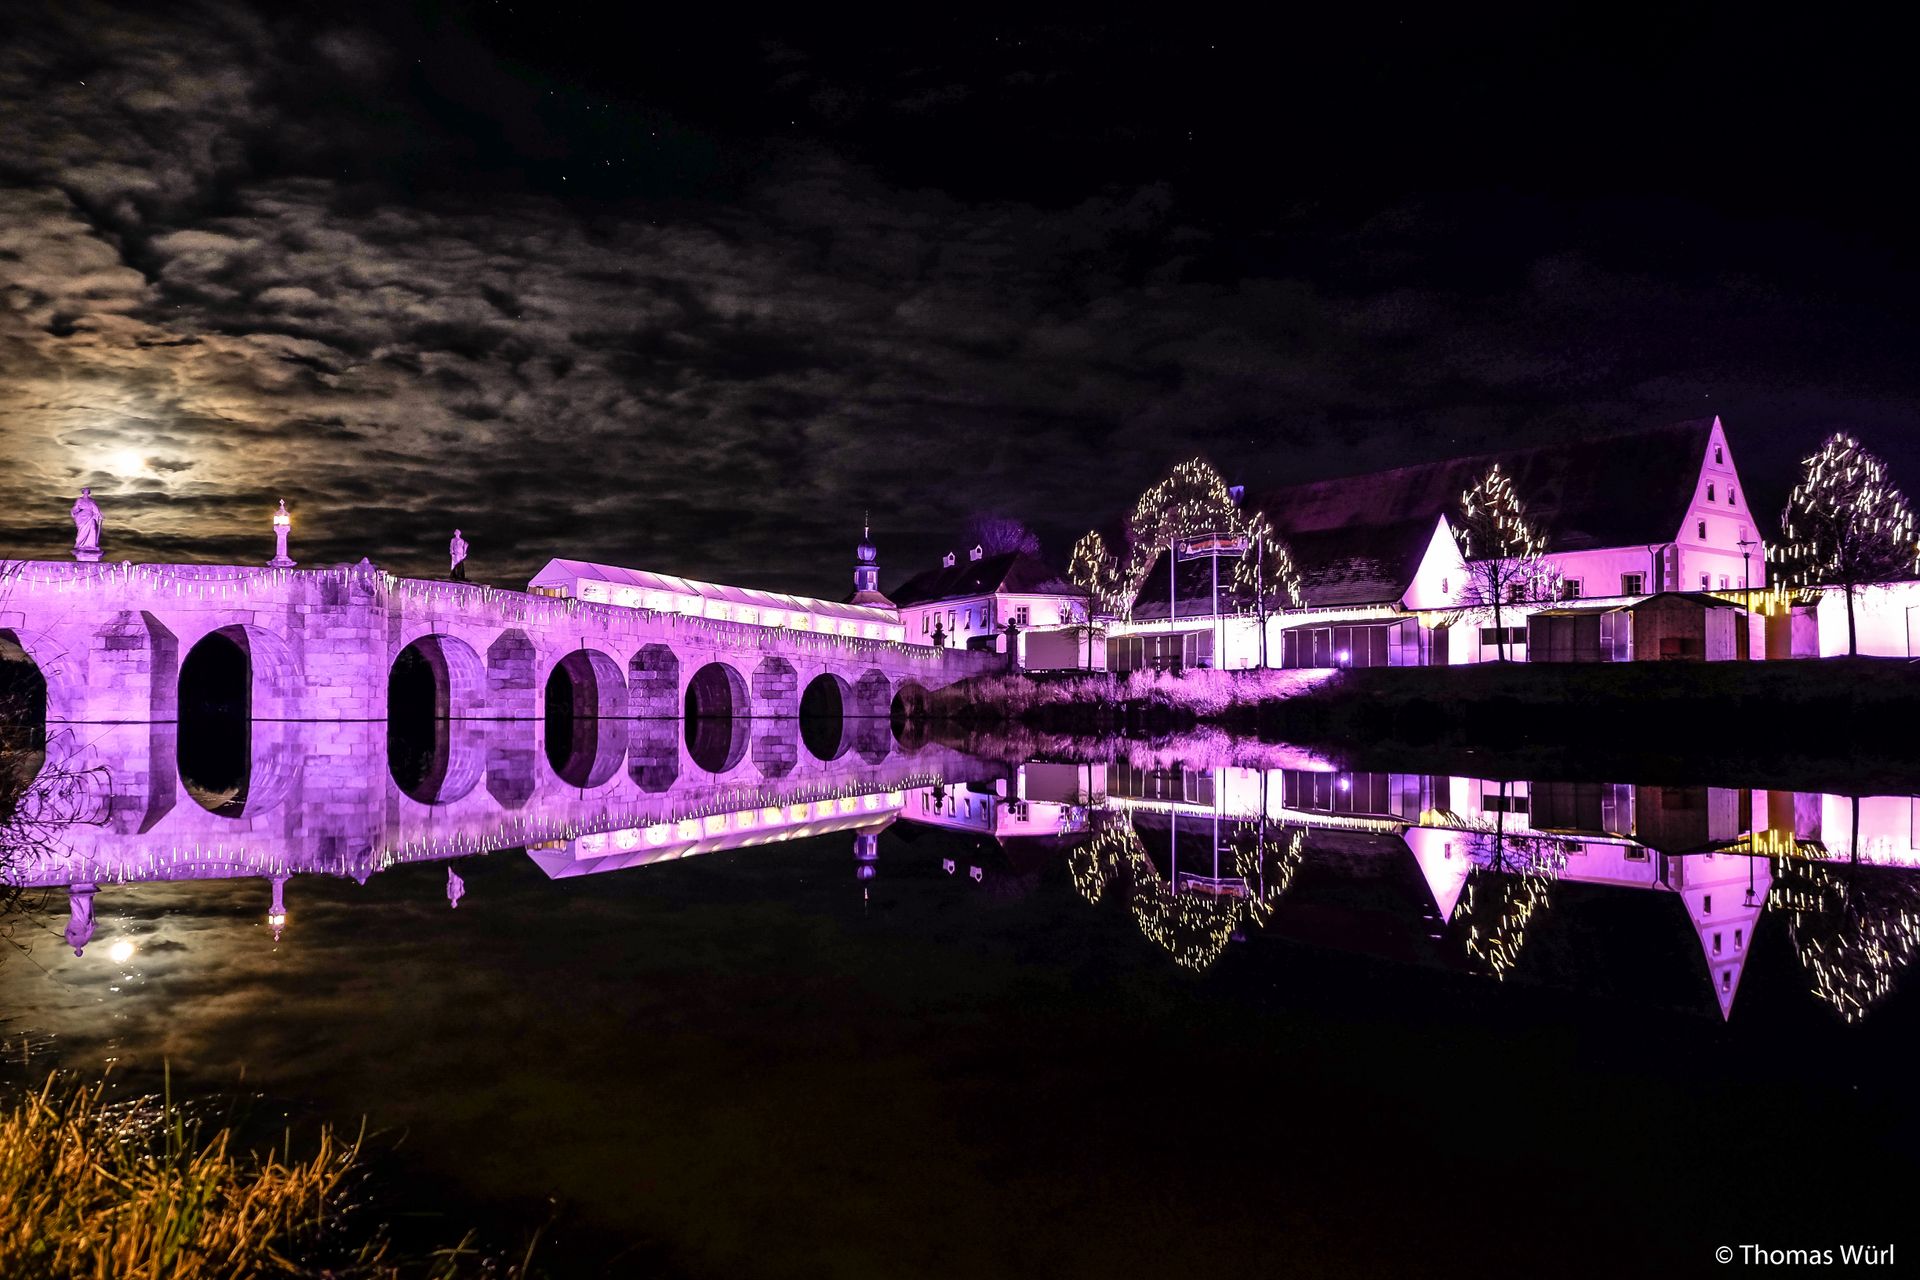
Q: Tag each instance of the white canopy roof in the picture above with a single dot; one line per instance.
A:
(565, 573)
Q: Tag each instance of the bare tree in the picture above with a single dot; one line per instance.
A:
(1846, 525)
(996, 535)
(1504, 550)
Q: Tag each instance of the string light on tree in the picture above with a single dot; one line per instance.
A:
(1846, 525)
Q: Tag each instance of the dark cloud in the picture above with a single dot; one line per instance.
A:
(244, 255)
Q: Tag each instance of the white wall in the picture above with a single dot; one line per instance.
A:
(1884, 617)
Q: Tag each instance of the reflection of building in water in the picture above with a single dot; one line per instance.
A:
(1490, 852)
(1041, 800)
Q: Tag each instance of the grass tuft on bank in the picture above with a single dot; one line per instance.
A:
(139, 1191)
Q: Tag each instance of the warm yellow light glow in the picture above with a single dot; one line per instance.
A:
(120, 952)
(126, 462)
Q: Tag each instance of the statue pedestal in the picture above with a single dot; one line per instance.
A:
(87, 557)
(280, 562)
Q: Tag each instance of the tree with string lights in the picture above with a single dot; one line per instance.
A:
(1505, 551)
(1096, 571)
(1266, 571)
(1846, 525)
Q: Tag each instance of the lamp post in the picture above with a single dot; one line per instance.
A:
(282, 524)
(1746, 588)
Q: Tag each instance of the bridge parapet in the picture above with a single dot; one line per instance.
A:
(321, 642)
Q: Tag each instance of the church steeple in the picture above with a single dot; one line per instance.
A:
(866, 569)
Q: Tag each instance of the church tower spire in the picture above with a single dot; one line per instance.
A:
(866, 569)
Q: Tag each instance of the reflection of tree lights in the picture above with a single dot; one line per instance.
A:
(1193, 928)
(120, 952)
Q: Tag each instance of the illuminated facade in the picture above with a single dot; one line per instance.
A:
(1384, 584)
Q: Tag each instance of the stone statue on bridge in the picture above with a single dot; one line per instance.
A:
(80, 916)
(457, 552)
(86, 527)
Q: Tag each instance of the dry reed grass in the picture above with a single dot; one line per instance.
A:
(117, 1191)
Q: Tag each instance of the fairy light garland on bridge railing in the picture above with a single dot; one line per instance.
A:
(512, 832)
(236, 584)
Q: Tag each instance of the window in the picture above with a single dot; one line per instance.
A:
(1633, 584)
(1725, 582)
(1706, 904)
(1738, 939)
(926, 623)
(1701, 529)
(1719, 455)
(1635, 854)
(1570, 588)
(1716, 944)
(1710, 491)
(1491, 636)
(1020, 615)
(1443, 586)
(1706, 581)
(1733, 496)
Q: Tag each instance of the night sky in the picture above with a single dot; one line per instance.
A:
(680, 287)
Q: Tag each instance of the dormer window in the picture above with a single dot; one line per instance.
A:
(946, 561)
(1710, 496)
(977, 552)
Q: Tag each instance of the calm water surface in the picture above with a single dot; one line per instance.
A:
(1203, 1007)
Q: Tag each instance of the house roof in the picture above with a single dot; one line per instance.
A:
(1359, 539)
(1008, 571)
(559, 573)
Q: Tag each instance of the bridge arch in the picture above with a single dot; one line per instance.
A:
(717, 709)
(909, 702)
(586, 702)
(237, 687)
(825, 728)
(26, 686)
(458, 674)
(436, 693)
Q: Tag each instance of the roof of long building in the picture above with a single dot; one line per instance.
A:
(562, 572)
(1008, 571)
(1359, 539)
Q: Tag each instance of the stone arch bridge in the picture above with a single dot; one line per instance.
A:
(320, 645)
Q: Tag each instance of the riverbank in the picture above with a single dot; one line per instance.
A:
(1838, 724)
(137, 1187)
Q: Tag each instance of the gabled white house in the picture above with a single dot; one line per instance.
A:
(1625, 517)
(970, 598)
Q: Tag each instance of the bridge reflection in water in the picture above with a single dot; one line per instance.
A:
(1202, 854)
